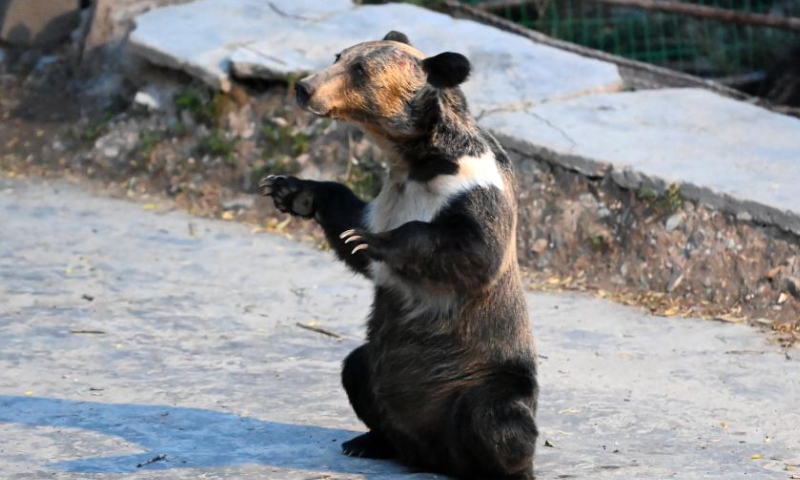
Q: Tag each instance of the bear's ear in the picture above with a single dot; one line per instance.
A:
(396, 36)
(446, 70)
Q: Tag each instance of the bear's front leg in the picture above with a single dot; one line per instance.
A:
(455, 254)
(334, 206)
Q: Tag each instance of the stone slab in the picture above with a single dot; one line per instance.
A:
(727, 153)
(37, 22)
(508, 70)
(200, 360)
(112, 20)
(199, 37)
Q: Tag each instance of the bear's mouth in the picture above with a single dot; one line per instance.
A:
(317, 111)
(321, 111)
(311, 107)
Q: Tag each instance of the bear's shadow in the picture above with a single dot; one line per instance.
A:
(192, 438)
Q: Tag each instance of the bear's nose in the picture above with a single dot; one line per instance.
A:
(303, 92)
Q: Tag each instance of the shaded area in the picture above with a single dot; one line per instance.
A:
(190, 437)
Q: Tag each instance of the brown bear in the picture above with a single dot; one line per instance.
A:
(446, 380)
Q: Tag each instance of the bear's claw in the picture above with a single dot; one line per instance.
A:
(347, 233)
(356, 235)
(289, 194)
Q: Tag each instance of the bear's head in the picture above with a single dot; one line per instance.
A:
(386, 86)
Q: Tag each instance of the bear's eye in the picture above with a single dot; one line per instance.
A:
(359, 69)
(338, 56)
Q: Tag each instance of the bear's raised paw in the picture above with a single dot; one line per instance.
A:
(290, 194)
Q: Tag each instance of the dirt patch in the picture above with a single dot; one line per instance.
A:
(655, 249)
(205, 151)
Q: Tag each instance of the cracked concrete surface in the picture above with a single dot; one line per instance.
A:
(128, 333)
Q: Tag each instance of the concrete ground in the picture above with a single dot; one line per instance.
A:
(130, 333)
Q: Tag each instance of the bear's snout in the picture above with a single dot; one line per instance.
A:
(303, 92)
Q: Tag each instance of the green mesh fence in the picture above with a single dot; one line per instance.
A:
(703, 47)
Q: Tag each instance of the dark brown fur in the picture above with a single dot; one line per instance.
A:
(447, 378)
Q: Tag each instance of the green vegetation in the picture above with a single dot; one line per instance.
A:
(669, 202)
(363, 176)
(216, 144)
(301, 143)
(646, 193)
(179, 130)
(672, 200)
(148, 141)
(598, 241)
(195, 102)
(95, 130)
(284, 139)
(205, 106)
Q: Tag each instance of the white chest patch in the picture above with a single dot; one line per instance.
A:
(402, 201)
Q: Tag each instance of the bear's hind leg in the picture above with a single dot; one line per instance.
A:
(496, 430)
(369, 445)
(357, 384)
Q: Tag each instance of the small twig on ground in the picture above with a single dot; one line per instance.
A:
(300, 292)
(319, 330)
(158, 458)
(87, 332)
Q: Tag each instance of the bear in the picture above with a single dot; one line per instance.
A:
(446, 381)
